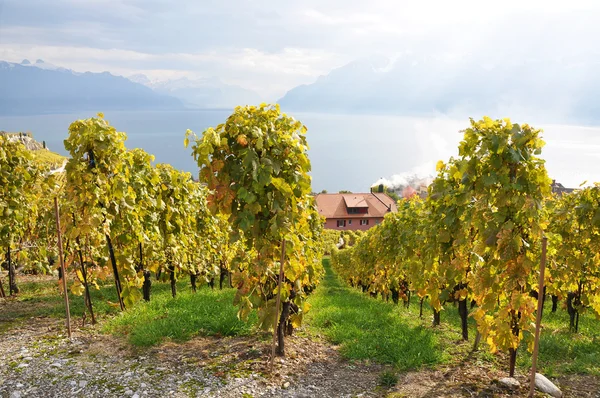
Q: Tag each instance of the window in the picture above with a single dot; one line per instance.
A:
(341, 223)
(364, 222)
(349, 222)
(377, 221)
(357, 210)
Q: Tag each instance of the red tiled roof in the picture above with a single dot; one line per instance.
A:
(357, 200)
(334, 205)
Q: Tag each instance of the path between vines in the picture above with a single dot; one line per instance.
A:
(37, 360)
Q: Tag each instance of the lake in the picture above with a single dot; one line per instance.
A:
(348, 152)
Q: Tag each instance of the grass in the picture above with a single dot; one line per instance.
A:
(41, 298)
(564, 352)
(388, 379)
(367, 328)
(207, 312)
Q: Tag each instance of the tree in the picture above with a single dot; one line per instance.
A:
(575, 273)
(96, 184)
(256, 166)
(18, 199)
(507, 184)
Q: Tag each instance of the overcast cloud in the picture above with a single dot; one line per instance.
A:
(272, 46)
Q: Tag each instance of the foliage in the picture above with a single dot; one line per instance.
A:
(477, 235)
(256, 166)
(574, 271)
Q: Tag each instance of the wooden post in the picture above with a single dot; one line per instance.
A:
(277, 305)
(538, 320)
(62, 267)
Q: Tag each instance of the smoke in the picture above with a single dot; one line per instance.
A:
(405, 184)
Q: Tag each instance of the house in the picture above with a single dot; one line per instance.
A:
(560, 189)
(354, 211)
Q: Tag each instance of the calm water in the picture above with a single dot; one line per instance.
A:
(347, 152)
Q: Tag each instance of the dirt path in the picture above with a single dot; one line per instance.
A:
(37, 360)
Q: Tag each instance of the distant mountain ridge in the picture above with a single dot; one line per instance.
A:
(44, 88)
(201, 93)
(562, 90)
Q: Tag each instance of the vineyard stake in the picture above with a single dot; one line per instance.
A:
(275, 323)
(538, 319)
(62, 266)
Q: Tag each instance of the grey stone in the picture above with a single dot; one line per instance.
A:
(129, 393)
(22, 365)
(286, 384)
(510, 382)
(546, 386)
(82, 383)
(56, 365)
(15, 394)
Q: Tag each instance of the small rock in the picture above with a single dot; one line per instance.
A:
(143, 385)
(56, 365)
(73, 383)
(129, 393)
(546, 386)
(128, 374)
(82, 383)
(135, 396)
(20, 385)
(286, 384)
(28, 359)
(15, 394)
(22, 365)
(510, 382)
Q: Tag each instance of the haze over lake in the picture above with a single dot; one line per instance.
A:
(347, 151)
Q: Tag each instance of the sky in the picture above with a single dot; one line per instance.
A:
(273, 46)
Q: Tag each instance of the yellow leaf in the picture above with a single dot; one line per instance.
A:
(439, 166)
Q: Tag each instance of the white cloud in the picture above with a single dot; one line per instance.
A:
(267, 73)
(271, 47)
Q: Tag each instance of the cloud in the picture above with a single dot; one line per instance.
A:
(274, 46)
(247, 67)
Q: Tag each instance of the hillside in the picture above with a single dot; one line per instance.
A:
(40, 152)
(39, 88)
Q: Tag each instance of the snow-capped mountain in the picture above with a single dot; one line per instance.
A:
(201, 93)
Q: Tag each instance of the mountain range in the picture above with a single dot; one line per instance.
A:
(560, 90)
(43, 88)
(201, 93)
(40, 87)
